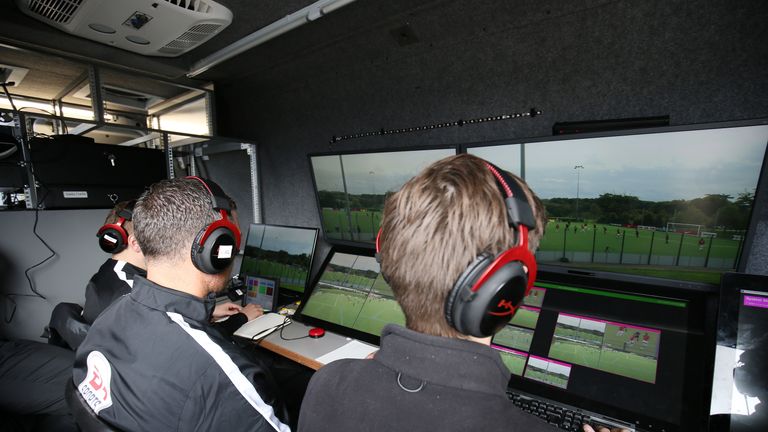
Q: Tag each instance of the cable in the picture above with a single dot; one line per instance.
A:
(53, 252)
(289, 339)
(269, 331)
(8, 95)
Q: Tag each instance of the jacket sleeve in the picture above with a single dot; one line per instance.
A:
(67, 325)
(231, 324)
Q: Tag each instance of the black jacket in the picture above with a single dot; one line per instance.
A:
(113, 280)
(152, 362)
(70, 323)
(416, 382)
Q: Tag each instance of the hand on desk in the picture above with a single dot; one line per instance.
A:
(224, 310)
(252, 311)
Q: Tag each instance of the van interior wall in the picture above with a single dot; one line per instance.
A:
(72, 234)
(574, 60)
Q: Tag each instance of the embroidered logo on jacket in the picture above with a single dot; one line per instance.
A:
(95, 388)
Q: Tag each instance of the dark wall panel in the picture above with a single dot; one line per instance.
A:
(696, 61)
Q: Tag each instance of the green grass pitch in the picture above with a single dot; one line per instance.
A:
(573, 352)
(628, 365)
(378, 312)
(333, 305)
(514, 337)
(525, 318)
(578, 335)
(353, 309)
(515, 363)
(543, 376)
(606, 240)
(290, 277)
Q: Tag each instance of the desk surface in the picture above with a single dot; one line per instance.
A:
(306, 350)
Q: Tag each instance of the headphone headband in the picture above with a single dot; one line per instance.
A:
(519, 210)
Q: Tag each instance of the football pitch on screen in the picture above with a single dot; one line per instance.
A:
(290, 277)
(515, 363)
(526, 317)
(545, 377)
(622, 363)
(353, 309)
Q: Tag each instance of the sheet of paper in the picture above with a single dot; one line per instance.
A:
(354, 350)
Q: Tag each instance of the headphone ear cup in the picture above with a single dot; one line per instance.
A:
(462, 291)
(214, 254)
(112, 238)
(482, 310)
(496, 300)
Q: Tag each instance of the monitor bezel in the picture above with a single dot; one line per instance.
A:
(350, 243)
(283, 289)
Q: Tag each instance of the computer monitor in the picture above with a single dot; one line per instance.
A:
(614, 349)
(283, 253)
(351, 298)
(740, 386)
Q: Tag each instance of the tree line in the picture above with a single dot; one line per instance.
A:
(712, 210)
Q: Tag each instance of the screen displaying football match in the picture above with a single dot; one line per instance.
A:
(351, 188)
(620, 348)
(280, 252)
(601, 344)
(675, 204)
(352, 293)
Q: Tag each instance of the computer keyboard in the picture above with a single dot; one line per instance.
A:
(564, 418)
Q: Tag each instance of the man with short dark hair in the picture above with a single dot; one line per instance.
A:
(152, 361)
(431, 375)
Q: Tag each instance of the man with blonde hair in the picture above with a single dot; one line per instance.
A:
(439, 373)
(456, 246)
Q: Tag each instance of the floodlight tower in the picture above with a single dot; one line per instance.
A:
(578, 181)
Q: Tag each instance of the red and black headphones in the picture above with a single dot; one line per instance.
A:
(217, 243)
(113, 238)
(488, 292)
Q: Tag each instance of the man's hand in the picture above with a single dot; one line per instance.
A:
(224, 310)
(588, 428)
(252, 311)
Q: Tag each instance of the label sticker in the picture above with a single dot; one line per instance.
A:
(225, 252)
(95, 388)
(75, 194)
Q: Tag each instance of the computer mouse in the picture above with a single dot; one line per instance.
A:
(316, 332)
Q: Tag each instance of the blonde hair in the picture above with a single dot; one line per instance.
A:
(435, 225)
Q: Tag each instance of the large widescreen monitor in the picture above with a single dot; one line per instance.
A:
(613, 349)
(351, 298)
(670, 202)
(351, 188)
(283, 253)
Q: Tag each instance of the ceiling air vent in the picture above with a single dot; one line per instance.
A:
(58, 11)
(149, 27)
(193, 5)
(191, 38)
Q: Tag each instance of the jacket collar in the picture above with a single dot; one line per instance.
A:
(450, 362)
(165, 299)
